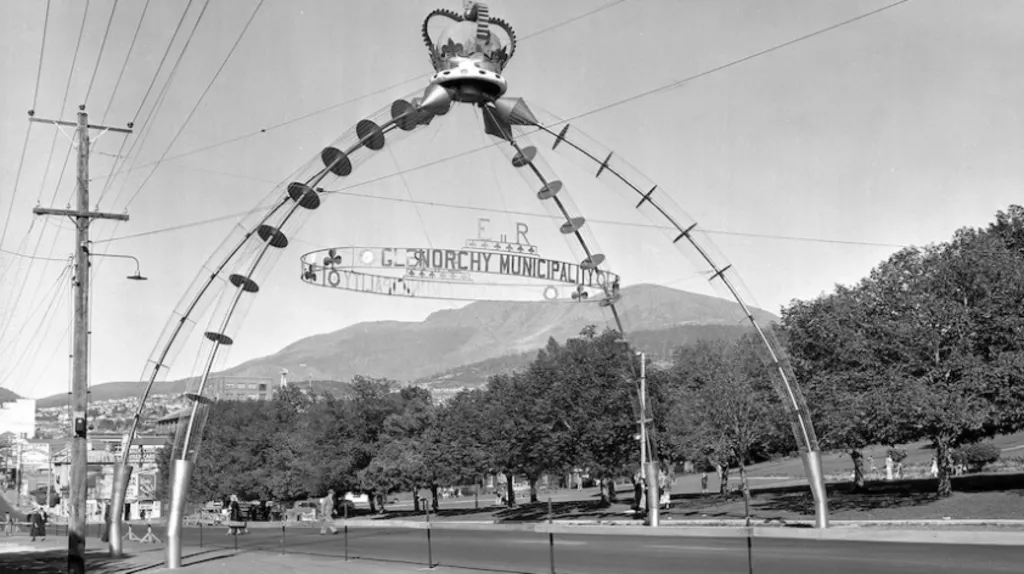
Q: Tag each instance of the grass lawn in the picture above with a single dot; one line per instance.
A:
(983, 496)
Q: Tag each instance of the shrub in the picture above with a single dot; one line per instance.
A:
(976, 456)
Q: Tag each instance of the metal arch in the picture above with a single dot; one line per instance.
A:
(719, 273)
(803, 427)
(525, 158)
(372, 139)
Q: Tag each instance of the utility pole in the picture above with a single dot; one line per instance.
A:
(80, 366)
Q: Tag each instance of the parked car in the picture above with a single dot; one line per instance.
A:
(303, 510)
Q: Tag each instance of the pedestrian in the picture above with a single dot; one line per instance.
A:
(704, 482)
(935, 467)
(327, 509)
(234, 515)
(8, 524)
(38, 525)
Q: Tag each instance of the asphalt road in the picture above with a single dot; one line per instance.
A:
(528, 552)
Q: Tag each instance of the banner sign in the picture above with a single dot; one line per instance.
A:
(483, 269)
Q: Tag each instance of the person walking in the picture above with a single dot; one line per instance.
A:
(234, 515)
(704, 482)
(327, 509)
(38, 525)
(8, 524)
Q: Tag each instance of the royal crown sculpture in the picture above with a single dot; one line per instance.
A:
(469, 51)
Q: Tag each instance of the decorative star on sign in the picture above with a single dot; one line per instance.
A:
(497, 246)
(533, 249)
(520, 248)
(508, 247)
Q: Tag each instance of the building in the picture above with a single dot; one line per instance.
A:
(243, 388)
(18, 417)
(44, 467)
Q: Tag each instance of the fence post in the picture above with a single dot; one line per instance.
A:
(430, 549)
(551, 538)
(283, 551)
(345, 526)
(235, 532)
(200, 534)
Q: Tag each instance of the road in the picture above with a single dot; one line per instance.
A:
(528, 552)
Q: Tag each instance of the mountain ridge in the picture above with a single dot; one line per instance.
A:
(462, 340)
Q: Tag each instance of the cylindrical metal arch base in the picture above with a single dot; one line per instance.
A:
(122, 474)
(816, 478)
(181, 474)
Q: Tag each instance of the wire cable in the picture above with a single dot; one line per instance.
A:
(74, 59)
(17, 180)
(160, 66)
(161, 98)
(584, 114)
(99, 57)
(199, 102)
(31, 342)
(733, 63)
(342, 103)
(42, 51)
(124, 66)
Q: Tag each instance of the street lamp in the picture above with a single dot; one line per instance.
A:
(137, 276)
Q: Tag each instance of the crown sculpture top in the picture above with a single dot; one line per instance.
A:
(469, 52)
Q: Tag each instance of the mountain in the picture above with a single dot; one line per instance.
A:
(407, 351)
(477, 340)
(7, 395)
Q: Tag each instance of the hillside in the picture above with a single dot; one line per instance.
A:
(482, 331)
(475, 341)
(8, 395)
(658, 344)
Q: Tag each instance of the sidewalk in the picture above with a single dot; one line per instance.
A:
(269, 563)
(51, 556)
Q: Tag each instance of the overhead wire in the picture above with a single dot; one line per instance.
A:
(199, 102)
(99, 57)
(145, 97)
(28, 129)
(30, 343)
(124, 66)
(331, 107)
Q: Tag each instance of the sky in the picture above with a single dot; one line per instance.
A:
(807, 165)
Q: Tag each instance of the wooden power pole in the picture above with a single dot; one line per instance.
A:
(80, 367)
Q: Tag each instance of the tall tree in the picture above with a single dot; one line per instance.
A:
(937, 337)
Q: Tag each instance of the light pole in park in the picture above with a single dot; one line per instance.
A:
(648, 466)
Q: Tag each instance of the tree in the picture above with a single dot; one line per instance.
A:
(728, 400)
(937, 333)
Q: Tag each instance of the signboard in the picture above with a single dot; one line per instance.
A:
(147, 486)
(483, 269)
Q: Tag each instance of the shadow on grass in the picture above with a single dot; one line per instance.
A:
(877, 495)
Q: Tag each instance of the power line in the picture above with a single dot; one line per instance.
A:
(201, 97)
(342, 103)
(733, 63)
(594, 111)
(17, 179)
(31, 342)
(99, 57)
(24, 256)
(71, 72)
(161, 98)
(124, 66)
(42, 50)
(162, 59)
(28, 130)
